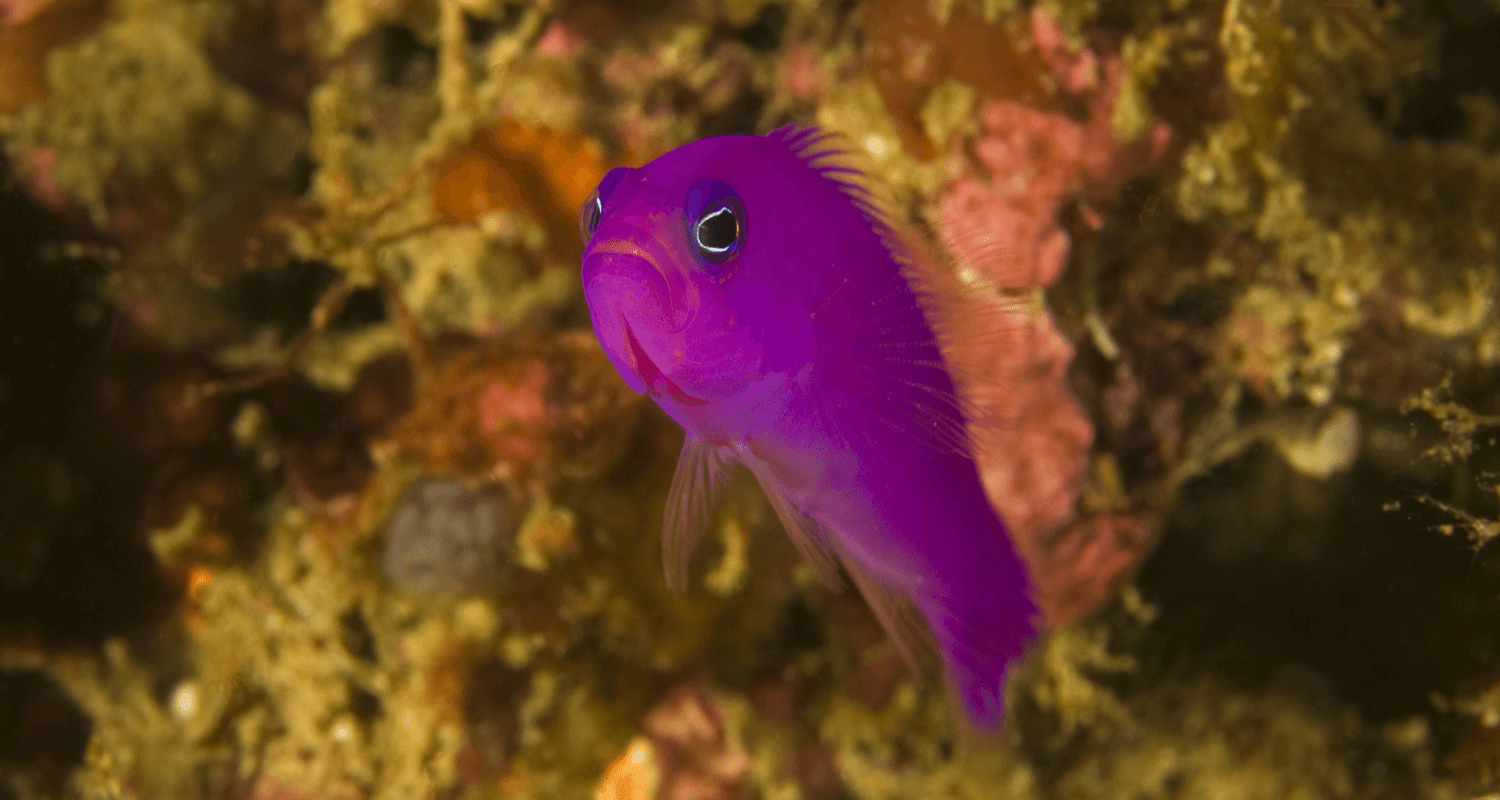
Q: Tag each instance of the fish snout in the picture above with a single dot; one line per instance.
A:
(630, 283)
(625, 290)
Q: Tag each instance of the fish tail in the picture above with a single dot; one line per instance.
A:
(978, 643)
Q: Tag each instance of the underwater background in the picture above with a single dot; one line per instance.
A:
(315, 484)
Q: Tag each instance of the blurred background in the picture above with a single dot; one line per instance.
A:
(314, 482)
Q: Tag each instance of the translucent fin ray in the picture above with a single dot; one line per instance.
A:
(921, 401)
(825, 553)
(897, 615)
(969, 319)
(702, 471)
(812, 542)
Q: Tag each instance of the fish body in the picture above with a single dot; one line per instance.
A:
(752, 287)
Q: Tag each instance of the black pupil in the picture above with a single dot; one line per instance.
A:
(718, 230)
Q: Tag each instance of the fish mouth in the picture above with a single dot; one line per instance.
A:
(656, 382)
(621, 283)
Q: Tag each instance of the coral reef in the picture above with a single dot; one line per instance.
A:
(314, 484)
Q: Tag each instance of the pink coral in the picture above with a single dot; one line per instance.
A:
(1034, 457)
(799, 72)
(40, 176)
(509, 412)
(1078, 71)
(559, 40)
(698, 760)
(1086, 562)
(15, 12)
(1004, 226)
(1002, 238)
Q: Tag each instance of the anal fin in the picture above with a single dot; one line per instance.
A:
(812, 542)
(822, 549)
(897, 614)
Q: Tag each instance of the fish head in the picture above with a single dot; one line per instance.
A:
(691, 274)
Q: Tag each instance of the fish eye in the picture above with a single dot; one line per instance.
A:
(715, 224)
(593, 208)
(718, 230)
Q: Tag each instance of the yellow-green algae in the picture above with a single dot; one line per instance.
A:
(168, 119)
(1304, 168)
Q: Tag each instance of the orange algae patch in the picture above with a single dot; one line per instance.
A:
(910, 53)
(570, 162)
(632, 776)
(198, 580)
(28, 33)
(196, 585)
(516, 166)
(473, 183)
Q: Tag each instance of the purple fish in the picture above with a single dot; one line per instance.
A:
(755, 290)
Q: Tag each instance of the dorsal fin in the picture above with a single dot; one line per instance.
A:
(938, 388)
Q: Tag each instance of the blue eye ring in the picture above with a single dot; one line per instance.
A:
(593, 208)
(716, 225)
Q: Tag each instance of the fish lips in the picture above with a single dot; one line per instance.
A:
(621, 288)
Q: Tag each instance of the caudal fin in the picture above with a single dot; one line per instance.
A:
(978, 646)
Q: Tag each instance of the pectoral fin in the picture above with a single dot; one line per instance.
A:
(702, 471)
